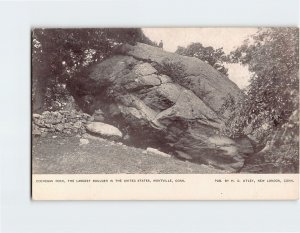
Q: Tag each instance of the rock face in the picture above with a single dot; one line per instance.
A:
(167, 101)
(98, 115)
(157, 152)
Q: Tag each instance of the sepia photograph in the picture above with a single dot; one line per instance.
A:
(165, 100)
(145, 116)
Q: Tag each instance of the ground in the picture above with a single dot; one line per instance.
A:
(65, 155)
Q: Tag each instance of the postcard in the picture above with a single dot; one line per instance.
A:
(165, 113)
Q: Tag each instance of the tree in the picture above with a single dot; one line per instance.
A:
(59, 54)
(272, 57)
(269, 107)
(215, 58)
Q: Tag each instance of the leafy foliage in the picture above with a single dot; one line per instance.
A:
(272, 56)
(215, 58)
(267, 110)
(175, 70)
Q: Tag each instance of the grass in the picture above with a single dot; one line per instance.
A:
(65, 155)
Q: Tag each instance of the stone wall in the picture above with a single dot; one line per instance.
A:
(60, 122)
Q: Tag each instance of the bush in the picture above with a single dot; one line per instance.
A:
(175, 70)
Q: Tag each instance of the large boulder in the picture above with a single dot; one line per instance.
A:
(169, 99)
(104, 130)
(201, 78)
